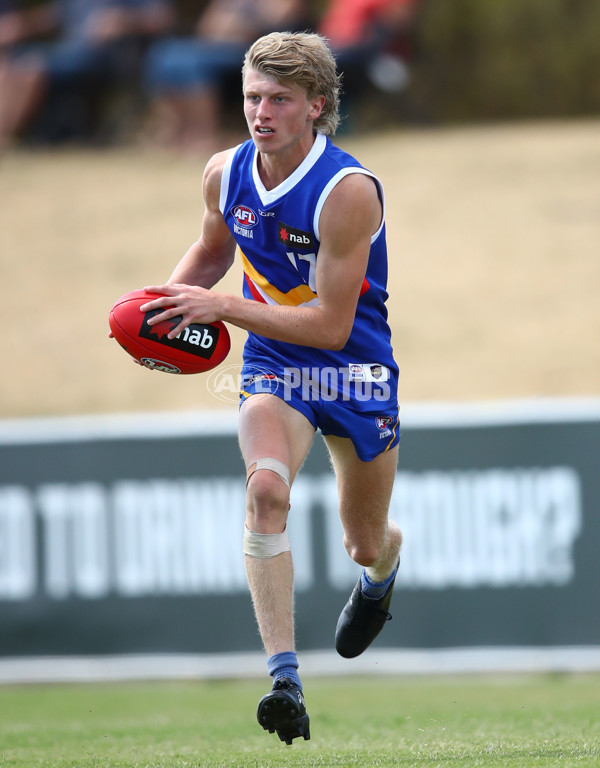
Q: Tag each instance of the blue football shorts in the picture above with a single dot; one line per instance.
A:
(367, 415)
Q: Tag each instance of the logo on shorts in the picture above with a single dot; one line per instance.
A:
(374, 372)
(383, 424)
(259, 382)
(295, 238)
(259, 377)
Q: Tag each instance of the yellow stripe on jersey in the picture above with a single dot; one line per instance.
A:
(294, 297)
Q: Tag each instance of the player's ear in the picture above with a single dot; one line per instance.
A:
(316, 107)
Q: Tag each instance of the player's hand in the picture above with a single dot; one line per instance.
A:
(193, 303)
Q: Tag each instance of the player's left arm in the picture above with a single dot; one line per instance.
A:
(350, 217)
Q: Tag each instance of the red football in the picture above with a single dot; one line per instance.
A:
(196, 349)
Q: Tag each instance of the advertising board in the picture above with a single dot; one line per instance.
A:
(123, 534)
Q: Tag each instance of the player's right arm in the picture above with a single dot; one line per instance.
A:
(213, 253)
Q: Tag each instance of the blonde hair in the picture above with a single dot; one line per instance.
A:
(303, 59)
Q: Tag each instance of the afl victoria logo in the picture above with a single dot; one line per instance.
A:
(384, 422)
(244, 216)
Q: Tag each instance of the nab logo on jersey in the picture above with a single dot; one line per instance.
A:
(295, 238)
(244, 216)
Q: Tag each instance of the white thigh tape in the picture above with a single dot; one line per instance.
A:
(265, 545)
(273, 464)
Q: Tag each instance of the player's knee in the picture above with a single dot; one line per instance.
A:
(395, 536)
(267, 500)
(364, 553)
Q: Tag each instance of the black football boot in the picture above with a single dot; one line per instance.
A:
(283, 711)
(361, 621)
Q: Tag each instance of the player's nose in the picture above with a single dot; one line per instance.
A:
(263, 111)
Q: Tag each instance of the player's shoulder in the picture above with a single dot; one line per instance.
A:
(355, 186)
(213, 173)
(338, 156)
(342, 164)
(216, 165)
(354, 197)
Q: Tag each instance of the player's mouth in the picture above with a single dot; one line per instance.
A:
(264, 131)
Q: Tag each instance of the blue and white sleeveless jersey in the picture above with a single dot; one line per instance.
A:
(277, 232)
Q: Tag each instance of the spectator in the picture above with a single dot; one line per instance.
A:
(187, 77)
(93, 42)
(369, 39)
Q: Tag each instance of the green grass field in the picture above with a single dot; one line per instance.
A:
(463, 721)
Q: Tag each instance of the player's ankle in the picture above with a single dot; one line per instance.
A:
(376, 589)
(284, 665)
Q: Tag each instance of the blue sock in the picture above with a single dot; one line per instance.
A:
(375, 589)
(284, 664)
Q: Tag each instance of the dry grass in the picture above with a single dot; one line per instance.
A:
(494, 239)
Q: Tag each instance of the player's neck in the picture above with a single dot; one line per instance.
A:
(274, 168)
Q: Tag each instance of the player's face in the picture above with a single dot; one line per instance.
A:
(279, 115)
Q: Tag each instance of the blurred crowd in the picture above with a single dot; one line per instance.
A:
(67, 66)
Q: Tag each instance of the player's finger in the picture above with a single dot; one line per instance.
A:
(164, 301)
(166, 289)
(178, 329)
(157, 319)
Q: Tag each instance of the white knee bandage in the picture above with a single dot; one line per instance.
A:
(265, 545)
(274, 465)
